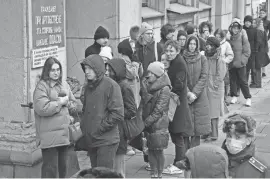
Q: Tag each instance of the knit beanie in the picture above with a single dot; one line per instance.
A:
(106, 52)
(248, 18)
(101, 32)
(157, 68)
(213, 41)
(181, 33)
(190, 29)
(145, 27)
(240, 123)
(125, 48)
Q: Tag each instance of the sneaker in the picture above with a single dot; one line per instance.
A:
(248, 102)
(234, 100)
(148, 168)
(130, 152)
(172, 170)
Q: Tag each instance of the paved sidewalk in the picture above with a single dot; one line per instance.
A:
(260, 110)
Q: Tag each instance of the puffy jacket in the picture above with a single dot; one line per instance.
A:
(51, 118)
(130, 109)
(208, 161)
(103, 106)
(227, 54)
(155, 106)
(241, 48)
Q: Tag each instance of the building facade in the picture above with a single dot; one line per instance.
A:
(35, 29)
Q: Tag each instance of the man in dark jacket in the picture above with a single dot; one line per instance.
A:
(240, 148)
(252, 38)
(117, 71)
(103, 109)
(101, 38)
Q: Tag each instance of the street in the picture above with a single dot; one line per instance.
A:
(135, 166)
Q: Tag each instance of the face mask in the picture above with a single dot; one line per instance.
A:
(235, 146)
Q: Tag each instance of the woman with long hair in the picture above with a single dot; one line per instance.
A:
(53, 100)
(197, 82)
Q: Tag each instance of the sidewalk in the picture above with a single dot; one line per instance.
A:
(260, 110)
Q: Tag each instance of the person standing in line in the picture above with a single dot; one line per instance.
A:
(227, 57)
(193, 30)
(253, 41)
(182, 38)
(166, 33)
(240, 148)
(197, 66)
(181, 128)
(262, 58)
(205, 29)
(241, 49)
(52, 102)
(155, 106)
(117, 71)
(266, 25)
(103, 109)
(215, 87)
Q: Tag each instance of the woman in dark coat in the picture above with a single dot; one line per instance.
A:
(181, 126)
(197, 83)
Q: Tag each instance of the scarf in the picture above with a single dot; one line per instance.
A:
(191, 57)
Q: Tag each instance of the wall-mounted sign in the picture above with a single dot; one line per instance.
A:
(39, 56)
(48, 23)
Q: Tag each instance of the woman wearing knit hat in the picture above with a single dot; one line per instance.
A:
(215, 87)
(166, 33)
(155, 106)
(240, 148)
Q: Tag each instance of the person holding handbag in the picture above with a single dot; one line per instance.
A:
(53, 100)
(117, 71)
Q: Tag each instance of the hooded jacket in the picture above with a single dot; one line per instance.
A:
(155, 106)
(240, 46)
(208, 161)
(103, 106)
(130, 109)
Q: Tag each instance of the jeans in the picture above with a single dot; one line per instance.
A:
(54, 162)
(180, 147)
(157, 161)
(103, 156)
(119, 164)
(238, 77)
(214, 126)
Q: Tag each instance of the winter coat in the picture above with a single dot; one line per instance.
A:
(227, 54)
(197, 83)
(93, 49)
(202, 44)
(262, 58)
(160, 48)
(178, 74)
(208, 161)
(103, 107)
(216, 74)
(252, 38)
(241, 165)
(51, 118)
(145, 55)
(155, 106)
(241, 49)
(130, 108)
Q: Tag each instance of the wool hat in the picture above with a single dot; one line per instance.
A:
(106, 52)
(213, 41)
(157, 68)
(181, 33)
(240, 123)
(145, 27)
(236, 22)
(101, 32)
(125, 48)
(248, 18)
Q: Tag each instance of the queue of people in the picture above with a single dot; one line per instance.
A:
(201, 66)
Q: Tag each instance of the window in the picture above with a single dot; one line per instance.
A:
(144, 3)
(208, 2)
(185, 2)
